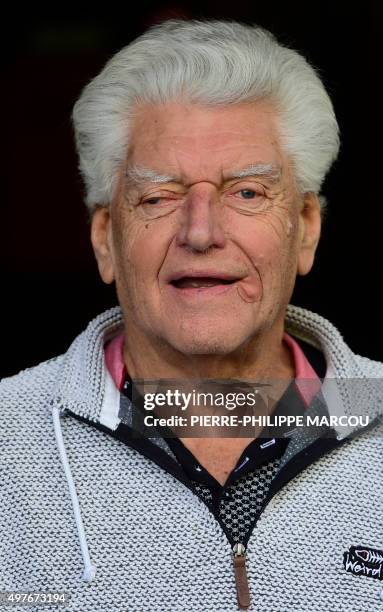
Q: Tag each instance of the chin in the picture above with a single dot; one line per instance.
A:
(205, 342)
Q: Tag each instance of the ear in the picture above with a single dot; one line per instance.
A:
(309, 232)
(101, 238)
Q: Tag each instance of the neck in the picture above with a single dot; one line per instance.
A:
(265, 356)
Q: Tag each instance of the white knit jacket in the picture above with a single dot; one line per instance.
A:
(118, 533)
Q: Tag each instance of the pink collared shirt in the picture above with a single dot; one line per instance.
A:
(306, 378)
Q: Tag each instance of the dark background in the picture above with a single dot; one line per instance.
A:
(50, 284)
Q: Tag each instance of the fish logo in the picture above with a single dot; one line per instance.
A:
(364, 561)
(368, 555)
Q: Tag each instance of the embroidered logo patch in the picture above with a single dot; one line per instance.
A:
(364, 561)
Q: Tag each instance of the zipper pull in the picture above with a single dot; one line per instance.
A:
(242, 584)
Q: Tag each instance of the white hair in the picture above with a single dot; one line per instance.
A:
(210, 63)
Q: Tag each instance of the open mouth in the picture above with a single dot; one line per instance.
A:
(193, 282)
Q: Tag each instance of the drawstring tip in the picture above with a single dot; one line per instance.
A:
(89, 573)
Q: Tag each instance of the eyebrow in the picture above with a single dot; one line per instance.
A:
(141, 174)
(269, 171)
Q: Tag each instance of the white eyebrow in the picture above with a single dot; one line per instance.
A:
(270, 171)
(139, 174)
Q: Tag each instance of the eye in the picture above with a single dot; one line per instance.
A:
(248, 194)
(152, 201)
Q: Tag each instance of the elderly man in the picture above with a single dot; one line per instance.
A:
(203, 147)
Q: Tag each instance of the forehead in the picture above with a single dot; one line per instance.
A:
(196, 140)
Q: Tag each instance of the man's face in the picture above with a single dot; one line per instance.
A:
(206, 232)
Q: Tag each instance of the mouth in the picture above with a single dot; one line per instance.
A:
(193, 282)
(201, 284)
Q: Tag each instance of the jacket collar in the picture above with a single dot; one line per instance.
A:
(86, 388)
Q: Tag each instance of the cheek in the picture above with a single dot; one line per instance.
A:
(270, 245)
(262, 245)
(276, 239)
(140, 249)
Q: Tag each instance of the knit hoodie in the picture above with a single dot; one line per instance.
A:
(83, 512)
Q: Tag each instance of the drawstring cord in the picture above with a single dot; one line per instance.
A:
(89, 569)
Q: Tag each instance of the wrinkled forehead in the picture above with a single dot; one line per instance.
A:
(190, 140)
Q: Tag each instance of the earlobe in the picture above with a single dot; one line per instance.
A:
(101, 238)
(309, 232)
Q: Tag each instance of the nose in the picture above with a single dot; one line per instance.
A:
(201, 225)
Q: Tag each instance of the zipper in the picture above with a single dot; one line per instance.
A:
(240, 572)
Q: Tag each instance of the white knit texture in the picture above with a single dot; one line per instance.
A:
(155, 544)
